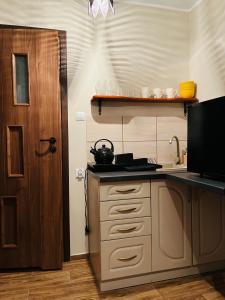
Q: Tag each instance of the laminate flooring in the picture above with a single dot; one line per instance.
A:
(75, 281)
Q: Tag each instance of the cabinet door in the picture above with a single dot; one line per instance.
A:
(171, 225)
(208, 226)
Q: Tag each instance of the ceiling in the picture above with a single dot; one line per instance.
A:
(185, 5)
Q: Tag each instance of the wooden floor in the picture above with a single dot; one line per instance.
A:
(76, 282)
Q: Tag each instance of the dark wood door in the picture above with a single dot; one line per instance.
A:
(30, 169)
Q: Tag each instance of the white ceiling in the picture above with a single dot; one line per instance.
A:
(185, 5)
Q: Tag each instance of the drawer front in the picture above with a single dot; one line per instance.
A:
(118, 229)
(125, 257)
(124, 209)
(124, 190)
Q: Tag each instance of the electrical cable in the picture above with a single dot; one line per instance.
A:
(86, 202)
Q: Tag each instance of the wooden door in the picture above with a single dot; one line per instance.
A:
(30, 178)
(171, 225)
(208, 226)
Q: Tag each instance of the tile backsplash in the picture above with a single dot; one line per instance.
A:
(145, 136)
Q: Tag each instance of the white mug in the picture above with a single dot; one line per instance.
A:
(171, 93)
(158, 92)
(145, 92)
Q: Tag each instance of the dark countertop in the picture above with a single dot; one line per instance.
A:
(124, 175)
(183, 177)
(197, 181)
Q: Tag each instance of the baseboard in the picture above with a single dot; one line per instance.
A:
(160, 276)
(79, 256)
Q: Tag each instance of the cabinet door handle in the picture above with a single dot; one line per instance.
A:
(127, 259)
(125, 191)
(126, 211)
(126, 230)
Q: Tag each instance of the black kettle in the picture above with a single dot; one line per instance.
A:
(103, 155)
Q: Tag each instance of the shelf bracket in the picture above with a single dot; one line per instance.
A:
(185, 108)
(186, 105)
(99, 107)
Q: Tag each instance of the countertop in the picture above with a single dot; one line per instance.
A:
(183, 177)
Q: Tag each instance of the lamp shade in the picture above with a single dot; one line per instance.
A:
(102, 6)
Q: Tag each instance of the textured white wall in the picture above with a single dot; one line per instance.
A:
(207, 48)
(138, 46)
(144, 45)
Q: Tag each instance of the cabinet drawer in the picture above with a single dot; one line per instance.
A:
(124, 209)
(117, 229)
(124, 190)
(125, 257)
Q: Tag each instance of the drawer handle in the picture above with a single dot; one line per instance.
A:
(126, 230)
(127, 259)
(125, 191)
(126, 211)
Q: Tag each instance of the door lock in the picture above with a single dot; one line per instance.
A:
(52, 142)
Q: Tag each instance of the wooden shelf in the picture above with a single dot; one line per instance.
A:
(101, 99)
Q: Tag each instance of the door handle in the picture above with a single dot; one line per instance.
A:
(52, 142)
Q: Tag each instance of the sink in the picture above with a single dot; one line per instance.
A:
(172, 168)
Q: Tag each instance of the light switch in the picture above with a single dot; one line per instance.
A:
(80, 116)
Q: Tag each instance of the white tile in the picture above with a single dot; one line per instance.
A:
(169, 126)
(167, 153)
(141, 149)
(109, 127)
(118, 149)
(140, 109)
(139, 128)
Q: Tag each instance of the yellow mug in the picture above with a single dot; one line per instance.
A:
(187, 89)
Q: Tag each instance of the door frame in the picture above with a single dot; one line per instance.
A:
(64, 127)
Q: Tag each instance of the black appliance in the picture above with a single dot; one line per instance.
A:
(124, 162)
(104, 167)
(206, 125)
(103, 155)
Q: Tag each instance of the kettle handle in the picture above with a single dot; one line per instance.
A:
(112, 147)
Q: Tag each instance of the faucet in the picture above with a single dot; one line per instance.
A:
(178, 148)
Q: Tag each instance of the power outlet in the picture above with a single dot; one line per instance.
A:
(80, 173)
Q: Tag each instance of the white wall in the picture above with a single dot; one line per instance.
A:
(137, 46)
(207, 48)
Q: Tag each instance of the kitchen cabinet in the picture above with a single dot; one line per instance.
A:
(120, 228)
(171, 225)
(208, 215)
(143, 231)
